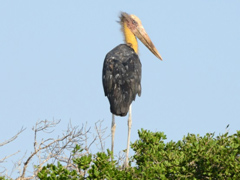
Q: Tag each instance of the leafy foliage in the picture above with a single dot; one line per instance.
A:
(194, 157)
(52, 171)
(2, 178)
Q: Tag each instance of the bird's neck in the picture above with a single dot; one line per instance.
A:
(130, 38)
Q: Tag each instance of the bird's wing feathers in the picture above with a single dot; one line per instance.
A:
(121, 78)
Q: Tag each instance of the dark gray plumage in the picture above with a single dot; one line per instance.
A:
(121, 78)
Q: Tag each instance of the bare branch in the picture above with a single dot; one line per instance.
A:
(100, 134)
(53, 148)
(13, 138)
(3, 159)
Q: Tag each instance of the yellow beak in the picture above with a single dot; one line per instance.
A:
(142, 35)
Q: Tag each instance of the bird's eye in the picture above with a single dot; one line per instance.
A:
(134, 22)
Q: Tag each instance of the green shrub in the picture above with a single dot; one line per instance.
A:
(194, 157)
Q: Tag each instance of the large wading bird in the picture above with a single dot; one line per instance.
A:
(122, 71)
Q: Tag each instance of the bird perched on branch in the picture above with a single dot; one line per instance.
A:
(121, 75)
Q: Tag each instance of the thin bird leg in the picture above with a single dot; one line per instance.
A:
(129, 132)
(113, 132)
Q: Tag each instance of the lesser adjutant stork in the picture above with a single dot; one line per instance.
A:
(121, 75)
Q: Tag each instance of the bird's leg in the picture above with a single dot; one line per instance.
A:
(129, 132)
(113, 132)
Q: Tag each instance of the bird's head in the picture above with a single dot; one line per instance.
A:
(136, 27)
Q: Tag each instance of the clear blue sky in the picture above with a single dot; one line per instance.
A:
(52, 52)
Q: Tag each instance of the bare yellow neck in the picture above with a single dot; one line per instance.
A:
(130, 37)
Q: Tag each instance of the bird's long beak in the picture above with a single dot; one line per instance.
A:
(135, 25)
(145, 39)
